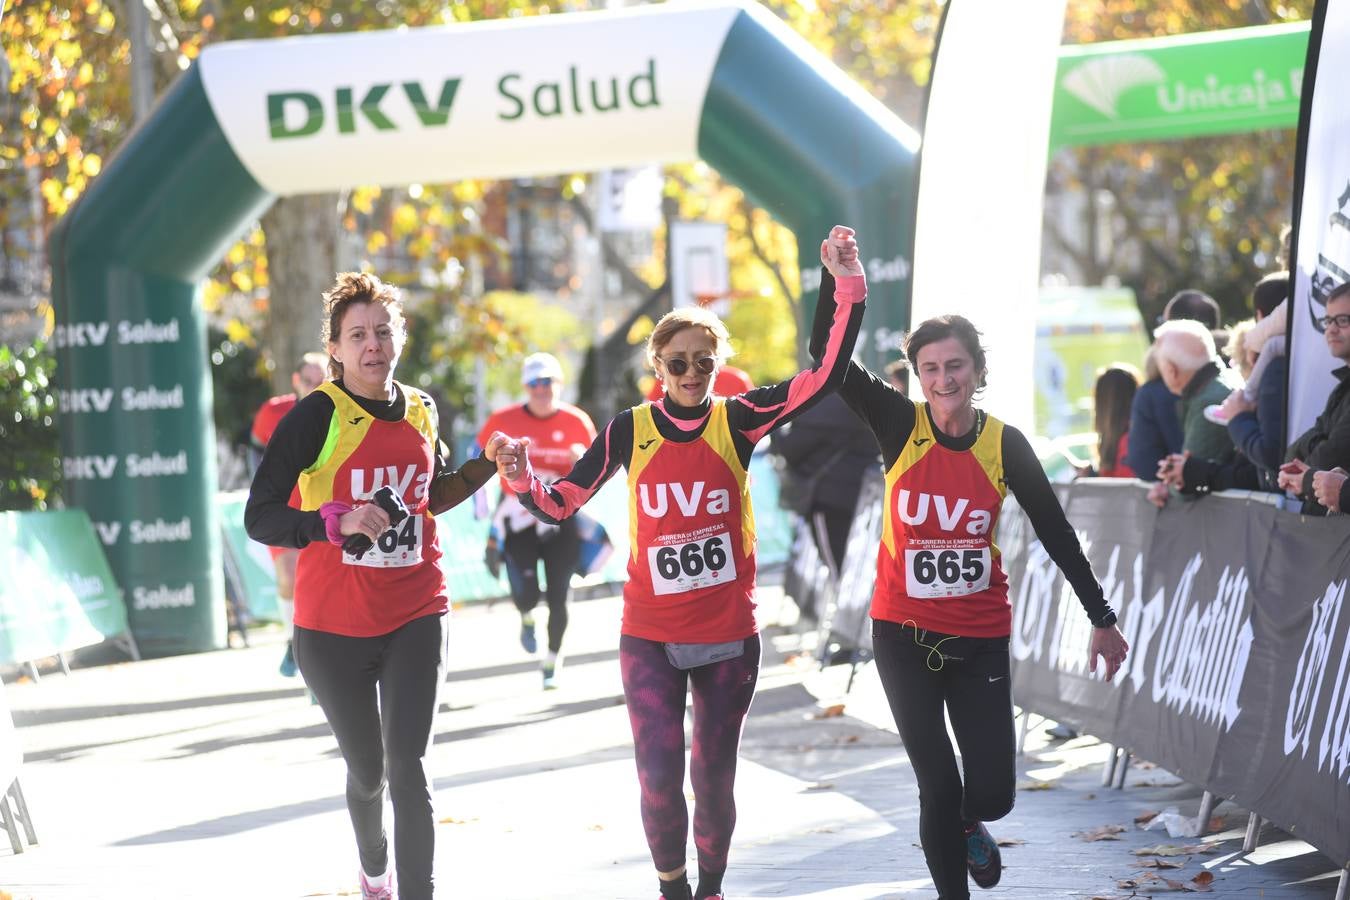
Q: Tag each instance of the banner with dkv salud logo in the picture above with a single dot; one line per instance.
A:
(503, 99)
(57, 592)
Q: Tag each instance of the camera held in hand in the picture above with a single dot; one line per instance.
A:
(391, 503)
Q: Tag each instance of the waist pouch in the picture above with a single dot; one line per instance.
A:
(691, 656)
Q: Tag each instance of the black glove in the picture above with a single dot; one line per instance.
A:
(492, 557)
(391, 503)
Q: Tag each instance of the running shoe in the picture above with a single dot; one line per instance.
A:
(527, 639)
(982, 857)
(288, 668)
(374, 893)
(550, 676)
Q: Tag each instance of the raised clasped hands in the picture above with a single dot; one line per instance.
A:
(839, 252)
(1291, 476)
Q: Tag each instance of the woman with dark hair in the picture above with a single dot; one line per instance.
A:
(688, 605)
(370, 596)
(1112, 397)
(940, 610)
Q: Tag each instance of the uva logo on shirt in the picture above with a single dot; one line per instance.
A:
(365, 482)
(914, 509)
(655, 499)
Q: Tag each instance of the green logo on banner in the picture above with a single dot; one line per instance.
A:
(307, 113)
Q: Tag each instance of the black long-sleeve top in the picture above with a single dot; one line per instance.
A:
(296, 444)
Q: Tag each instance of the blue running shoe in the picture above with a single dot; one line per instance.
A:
(982, 857)
(288, 668)
(527, 639)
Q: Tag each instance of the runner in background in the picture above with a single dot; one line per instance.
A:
(559, 433)
(689, 602)
(309, 374)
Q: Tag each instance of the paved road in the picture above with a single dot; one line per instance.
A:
(210, 776)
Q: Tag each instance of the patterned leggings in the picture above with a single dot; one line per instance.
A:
(655, 691)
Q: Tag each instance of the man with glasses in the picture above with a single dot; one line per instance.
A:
(1311, 461)
(558, 433)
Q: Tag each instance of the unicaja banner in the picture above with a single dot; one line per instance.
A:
(1321, 212)
(502, 99)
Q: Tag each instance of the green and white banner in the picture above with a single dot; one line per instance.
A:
(1214, 82)
(57, 593)
(505, 99)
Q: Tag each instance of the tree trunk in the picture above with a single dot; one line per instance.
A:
(301, 235)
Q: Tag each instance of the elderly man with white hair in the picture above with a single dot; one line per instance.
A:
(1192, 370)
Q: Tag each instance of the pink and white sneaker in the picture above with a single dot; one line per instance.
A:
(376, 893)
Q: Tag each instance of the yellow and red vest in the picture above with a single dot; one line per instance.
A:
(691, 573)
(400, 578)
(938, 567)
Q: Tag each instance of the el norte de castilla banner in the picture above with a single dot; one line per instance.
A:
(1238, 678)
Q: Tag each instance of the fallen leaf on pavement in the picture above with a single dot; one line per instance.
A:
(1035, 786)
(451, 820)
(1104, 833)
(1144, 818)
(1175, 850)
(1010, 842)
(1156, 863)
(1204, 879)
(830, 712)
(820, 786)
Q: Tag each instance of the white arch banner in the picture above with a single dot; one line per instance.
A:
(502, 99)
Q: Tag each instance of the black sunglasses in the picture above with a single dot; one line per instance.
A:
(678, 365)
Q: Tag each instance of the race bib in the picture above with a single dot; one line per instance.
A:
(397, 547)
(677, 568)
(946, 573)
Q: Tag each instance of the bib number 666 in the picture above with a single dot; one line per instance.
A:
(692, 559)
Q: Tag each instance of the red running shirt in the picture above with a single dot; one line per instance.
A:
(551, 437)
(938, 567)
(400, 578)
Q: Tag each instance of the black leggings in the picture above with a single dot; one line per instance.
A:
(971, 682)
(379, 696)
(560, 551)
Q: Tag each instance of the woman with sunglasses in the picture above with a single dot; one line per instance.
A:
(688, 613)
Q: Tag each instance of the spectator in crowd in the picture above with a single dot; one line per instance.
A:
(1332, 489)
(1191, 369)
(558, 434)
(1326, 445)
(1155, 430)
(1112, 398)
(828, 453)
(1265, 345)
(1256, 421)
(308, 374)
(897, 373)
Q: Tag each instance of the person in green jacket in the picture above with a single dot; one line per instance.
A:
(1193, 371)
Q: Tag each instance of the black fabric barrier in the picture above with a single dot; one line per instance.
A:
(1239, 672)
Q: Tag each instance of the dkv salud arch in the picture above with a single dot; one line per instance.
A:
(253, 120)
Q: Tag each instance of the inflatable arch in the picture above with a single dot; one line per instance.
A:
(726, 83)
